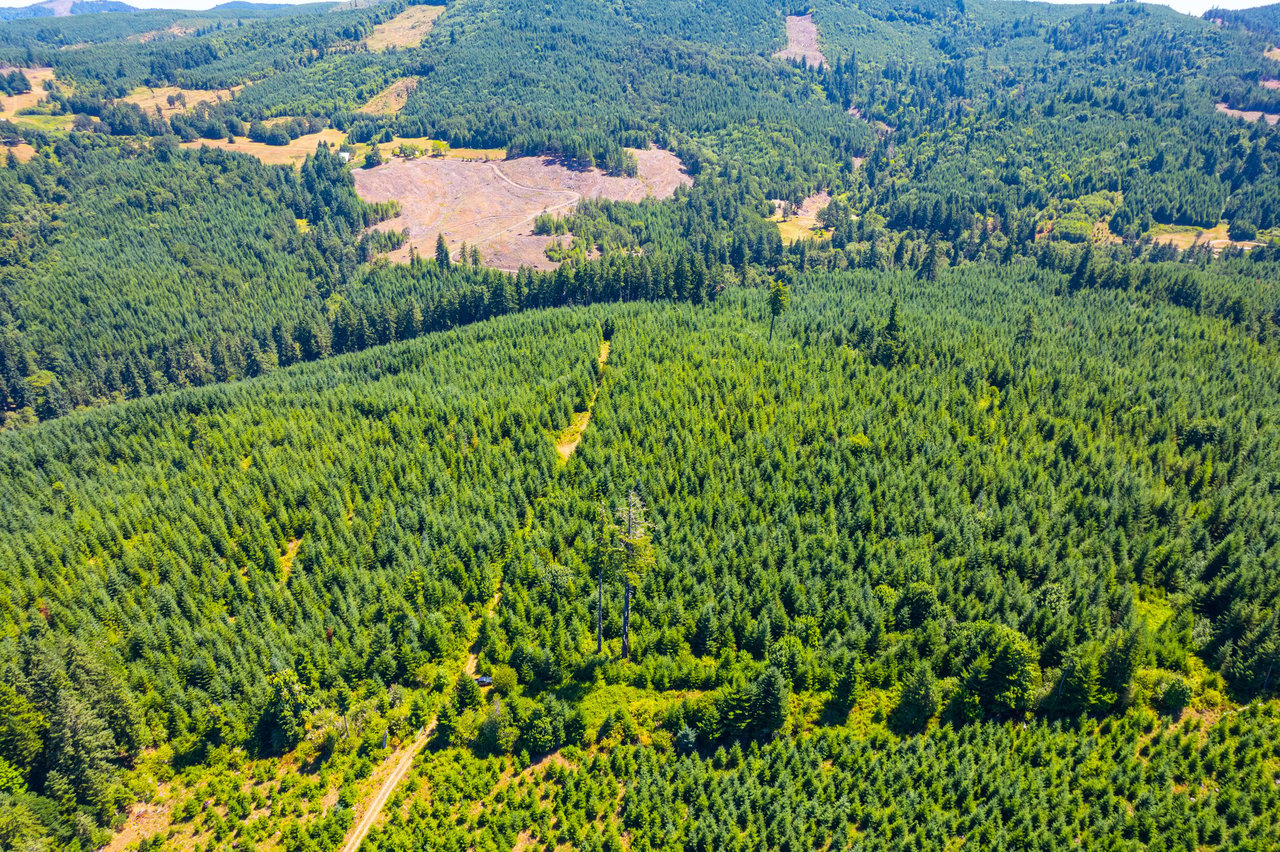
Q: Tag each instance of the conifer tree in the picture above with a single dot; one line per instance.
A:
(442, 252)
(779, 298)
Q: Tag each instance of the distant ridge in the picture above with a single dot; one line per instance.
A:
(64, 8)
(245, 4)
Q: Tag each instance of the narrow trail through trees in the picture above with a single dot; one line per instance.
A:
(569, 439)
(403, 760)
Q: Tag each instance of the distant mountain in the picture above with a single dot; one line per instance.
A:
(64, 8)
(245, 4)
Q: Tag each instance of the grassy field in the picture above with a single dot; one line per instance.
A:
(21, 152)
(184, 99)
(12, 105)
(280, 155)
(804, 223)
(1184, 238)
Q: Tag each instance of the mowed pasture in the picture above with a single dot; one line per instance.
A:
(493, 204)
(277, 155)
(391, 99)
(802, 42)
(184, 100)
(407, 29)
(425, 146)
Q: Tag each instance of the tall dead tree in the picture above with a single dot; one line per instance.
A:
(637, 557)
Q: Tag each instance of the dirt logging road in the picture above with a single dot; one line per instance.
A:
(379, 800)
(404, 760)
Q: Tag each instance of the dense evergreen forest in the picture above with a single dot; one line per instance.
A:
(951, 522)
(990, 495)
(962, 133)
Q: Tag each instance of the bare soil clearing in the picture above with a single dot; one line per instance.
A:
(407, 29)
(493, 204)
(403, 761)
(145, 819)
(279, 155)
(185, 99)
(176, 31)
(10, 104)
(804, 223)
(1269, 84)
(1273, 53)
(1249, 115)
(882, 130)
(802, 42)
(391, 99)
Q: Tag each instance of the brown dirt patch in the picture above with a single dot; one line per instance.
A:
(571, 437)
(185, 99)
(804, 223)
(144, 821)
(278, 155)
(407, 29)
(1273, 53)
(802, 42)
(175, 31)
(10, 104)
(1269, 84)
(493, 204)
(391, 99)
(1102, 233)
(1248, 114)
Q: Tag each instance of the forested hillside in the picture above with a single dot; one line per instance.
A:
(968, 133)
(996, 499)
(907, 477)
